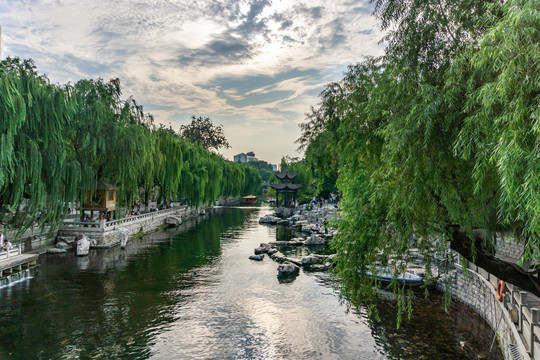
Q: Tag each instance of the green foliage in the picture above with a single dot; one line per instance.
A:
(441, 130)
(265, 169)
(35, 172)
(58, 141)
(501, 131)
(202, 131)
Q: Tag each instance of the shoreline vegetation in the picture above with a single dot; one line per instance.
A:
(434, 145)
(59, 140)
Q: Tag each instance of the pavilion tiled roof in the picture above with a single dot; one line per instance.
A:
(285, 175)
(286, 186)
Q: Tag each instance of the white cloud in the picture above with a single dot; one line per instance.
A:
(171, 54)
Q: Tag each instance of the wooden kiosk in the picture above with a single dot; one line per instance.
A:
(103, 200)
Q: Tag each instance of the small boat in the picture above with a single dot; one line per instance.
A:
(249, 200)
(385, 275)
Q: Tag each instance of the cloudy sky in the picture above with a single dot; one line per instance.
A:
(253, 66)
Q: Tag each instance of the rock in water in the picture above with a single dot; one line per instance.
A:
(83, 246)
(268, 219)
(257, 257)
(311, 260)
(124, 234)
(278, 256)
(317, 267)
(173, 220)
(315, 240)
(287, 269)
(56, 251)
(63, 245)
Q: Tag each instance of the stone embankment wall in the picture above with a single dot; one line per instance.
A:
(107, 235)
(475, 291)
(115, 258)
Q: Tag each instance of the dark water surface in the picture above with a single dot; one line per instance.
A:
(192, 293)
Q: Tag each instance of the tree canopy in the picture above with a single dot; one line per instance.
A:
(437, 139)
(58, 141)
(202, 131)
(265, 169)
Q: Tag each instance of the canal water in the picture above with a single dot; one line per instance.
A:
(192, 293)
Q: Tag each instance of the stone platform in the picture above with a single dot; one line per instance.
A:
(14, 263)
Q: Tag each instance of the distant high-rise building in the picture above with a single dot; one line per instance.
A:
(274, 167)
(250, 156)
(240, 158)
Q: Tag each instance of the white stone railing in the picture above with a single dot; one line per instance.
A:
(105, 225)
(81, 224)
(9, 253)
(137, 218)
(523, 310)
(525, 313)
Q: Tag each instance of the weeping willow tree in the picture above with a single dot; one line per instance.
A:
(110, 138)
(206, 176)
(57, 142)
(437, 139)
(252, 180)
(170, 158)
(35, 172)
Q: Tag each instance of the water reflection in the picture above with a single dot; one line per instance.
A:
(192, 293)
(431, 333)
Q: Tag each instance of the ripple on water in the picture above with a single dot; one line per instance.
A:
(195, 294)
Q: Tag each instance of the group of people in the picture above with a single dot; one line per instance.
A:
(133, 212)
(317, 227)
(136, 209)
(319, 201)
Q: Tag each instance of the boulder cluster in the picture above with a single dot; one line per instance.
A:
(80, 243)
(312, 229)
(313, 262)
(304, 221)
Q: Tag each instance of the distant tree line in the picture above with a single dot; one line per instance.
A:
(57, 141)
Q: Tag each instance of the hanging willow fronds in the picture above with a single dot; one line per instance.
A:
(57, 142)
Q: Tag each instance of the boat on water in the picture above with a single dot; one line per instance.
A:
(249, 200)
(385, 275)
